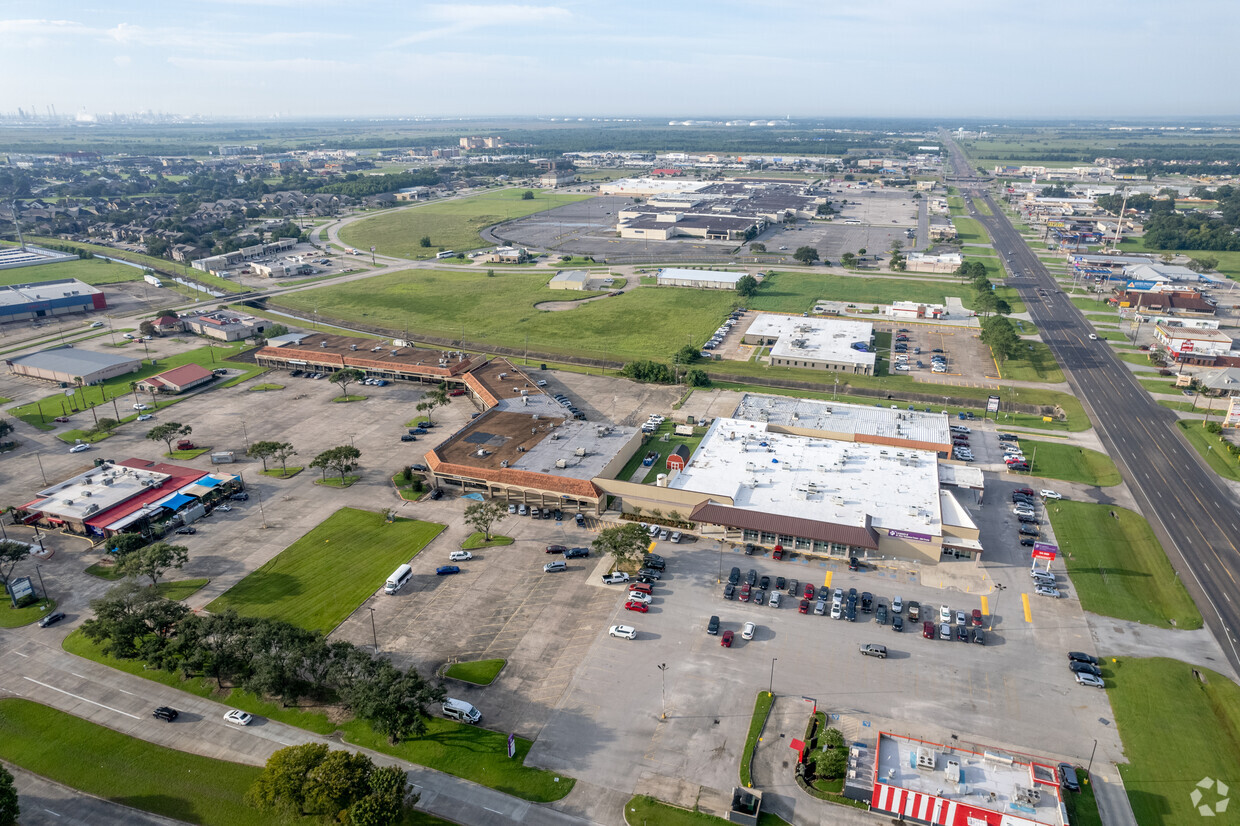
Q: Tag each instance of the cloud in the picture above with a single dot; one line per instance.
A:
(455, 20)
(122, 60)
(40, 27)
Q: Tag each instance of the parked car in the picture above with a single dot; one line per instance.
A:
(927, 630)
(79, 448)
(803, 606)
(1050, 494)
(634, 605)
(914, 610)
(241, 718)
(748, 631)
(1090, 680)
(729, 591)
(735, 576)
(556, 549)
(1082, 657)
(576, 553)
(187, 531)
(460, 556)
(1067, 777)
(726, 639)
(447, 570)
(871, 649)
(165, 713)
(51, 619)
(637, 596)
(1085, 668)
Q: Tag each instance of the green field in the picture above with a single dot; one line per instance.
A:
(1118, 567)
(1212, 448)
(320, 579)
(11, 617)
(157, 264)
(479, 672)
(761, 708)
(646, 811)
(796, 292)
(1177, 729)
(662, 448)
(94, 272)
(970, 231)
(452, 224)
(126, 770)
(1069, 463)
(1035, 362)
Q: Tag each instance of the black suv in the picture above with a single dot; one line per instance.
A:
(729, 591)
(655, 562)
(867, 602)
(165, 713)
(240, 497)
(734, 577)
(712, 627)
(751, 577)
(576, 553)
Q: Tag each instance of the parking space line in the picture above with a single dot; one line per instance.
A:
(1024, 598)
(80, 697)
(985, 606)
(827, 580)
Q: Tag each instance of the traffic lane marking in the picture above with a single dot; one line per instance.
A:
(1024, 598)
(80, 697)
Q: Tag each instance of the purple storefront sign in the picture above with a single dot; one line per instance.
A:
(1046, 546)
(916, 537)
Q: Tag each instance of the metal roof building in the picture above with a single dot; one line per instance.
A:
(67, 364)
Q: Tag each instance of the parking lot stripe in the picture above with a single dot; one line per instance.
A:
(650, 548)
(826, 582)
(1024, 598)
(985, 607)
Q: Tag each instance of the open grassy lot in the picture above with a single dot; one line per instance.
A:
(662, 448)
(1211, 447)
(127, 770)
(1118, 567)
(303, 584)
(761, 707)
(451, 224)
(11, 617)
(157, 264)
(970, 231)
(646, 811)
(1070, 463)
(648, 323)
(1177, 729)
(796, 292)
(41, 413)
(1035, 362)
(94, 272)
(479, 672)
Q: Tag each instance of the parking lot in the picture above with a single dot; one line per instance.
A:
(966, 355)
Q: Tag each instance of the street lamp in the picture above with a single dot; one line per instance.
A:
(373, 632)
(771, 688)
(663, 671)
(1000, 588)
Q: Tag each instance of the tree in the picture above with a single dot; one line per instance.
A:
(386, 802)
(527, 195)
(340, 460)
(10, 810)
(167, 432)
(434, 398)
(687, 354)
(282, 784)
(481, 516)
(806, 255)
(757, 246)
(648, 372)
(393, 701)
(898, 262)
(146, 328)
(275, 331)
(11, 553)
(746, 286)
(6, 427)
(128, 615)
(697, 377)
(282, 452)
(1202, 264)
(424, 241)
(848, 259)
(123, 543)
(261, 451)
(336, 782)
(625, 542)
(153, 561)
(346, 377)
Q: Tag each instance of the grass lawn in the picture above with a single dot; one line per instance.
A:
(662, 448)
(1083, 806)
(176, 589)
(761, 707)
(480, 672)
(43, 411)
(1159, 385)
(1183, 407)
(95, 272)
(349, 398)
(970, 231)
(1118, 566)
(796, 292)
(1070, 463)
(337, 482)
(1141, 357)
(282, 473)
(452, 224)
(157, 264)
(477, 540)
(11, 617)
(263, 388)
(303, 584)
(1035, 362)
(1151, 699)
(646, 811)
(1212, 447)
(1111, 335)
(126, 770)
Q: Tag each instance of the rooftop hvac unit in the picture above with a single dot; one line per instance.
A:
(561, 463)
(504, 463)
(521, 448)
(352, 346)
(107, 480)
(926, 758)
(90, 479)
(93, 507)
(581, 451)
(322, 343)
(555, 437)
(86, 493)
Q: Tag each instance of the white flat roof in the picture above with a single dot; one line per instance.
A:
(700, 275)
(78, 499)
(600, 441)
(953, 512)
(825, 480)
(961, 475)
(836, 417)
(817, 339)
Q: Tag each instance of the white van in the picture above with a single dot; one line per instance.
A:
(398, 579)
(461, 710)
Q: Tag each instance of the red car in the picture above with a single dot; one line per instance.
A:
(556, 549)
(977, 618)
(457, 392)
(805, 606)
(639, 607)
(809, 591)
(726, 639)
(778, 553)
(1026, 491)
(643, 587)
(927, 630)
(745, 592)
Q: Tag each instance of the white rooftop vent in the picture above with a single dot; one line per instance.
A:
(581, 451)
(322, 343)
(561, 463)
(504, 463)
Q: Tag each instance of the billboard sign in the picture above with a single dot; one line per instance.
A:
(1186, 347)
(992, 404)
(1044, 550)
(916, 537)
(20, 588)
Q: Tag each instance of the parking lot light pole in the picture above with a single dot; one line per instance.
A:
(771, 688)
(1000, 588)
(663, 671)
(373, 632)
(1091, 758)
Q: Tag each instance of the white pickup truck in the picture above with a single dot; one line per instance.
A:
(615, 578)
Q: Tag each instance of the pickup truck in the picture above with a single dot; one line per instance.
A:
(186, 444)
(616, 578)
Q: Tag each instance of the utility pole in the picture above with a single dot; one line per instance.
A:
(663, 671)
(373, 632)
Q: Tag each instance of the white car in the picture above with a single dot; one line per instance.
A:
(1093, 337)
(1050, 494)
(897, 605)
(903, 367)
(675, 537)
(628, 632)
(512, 508)
(241, 718)
(460, 556)
(748, 631)
(1089, 679)
(79, 448)
(945, 614)
(223, 508)
(141, 406)
(145, 417)
(1047, 591)
(638, 596)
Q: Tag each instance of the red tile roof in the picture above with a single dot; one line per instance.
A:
(855, 535)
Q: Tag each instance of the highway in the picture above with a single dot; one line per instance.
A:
(1191, 510)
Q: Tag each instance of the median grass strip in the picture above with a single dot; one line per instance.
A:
(1118, 567)
(1033, 362)
(320, 579)
(478, 539)
(1213, 447)
(452, 224)
(1178, 724)
(479, 672)
(1070, 463)
(646, 811)
(11, 617)
(761, 708)
(126, 770)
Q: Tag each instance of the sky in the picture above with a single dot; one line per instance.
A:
(623, 58)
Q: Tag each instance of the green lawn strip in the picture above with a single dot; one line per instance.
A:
(1153, 698)
(317, 327)
(263, 388)
(302, 585)
(479, 672)
(1070, 463)
(1034, 362)
(1159, 385)
(478, 540)
(337, 482)
(95, 272)
(453, 224)
(349, 398)
(1183, 407)
(969, 231)
(761, 708)
(179, 589)
(1212, 447)
(1111, 335)
(982, 207)
(11, 617)
(1082, 806)
(58, 404)
(664, 449)
(1118, 567)
(162, 266)
(1088, 305)
(1135, 358)
(646, 811)
(282, 473)
(126, 770)
(471, 753)
(186, 455)
(1104, 318)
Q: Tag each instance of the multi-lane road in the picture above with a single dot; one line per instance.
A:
(1192, 512)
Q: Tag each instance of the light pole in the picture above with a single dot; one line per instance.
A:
(1091, 758)
(663, 671)
(1000, 588)
(373, 632)
(41, 473)
(771, 688)
(43, 590)
(720, 579)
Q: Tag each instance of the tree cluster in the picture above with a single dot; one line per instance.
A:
(340, 459)
(1000, 336)
(747, 285)
(339, 786)
(277, 451)
(266, 656)
(648, 372)
(627, 542)
(806, 255)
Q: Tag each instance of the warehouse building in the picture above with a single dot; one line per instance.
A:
(67, 365)
(927, 262)
(177, 380)
(912, 429)
(815, 343)
(224, 325)
(570, 280)
(698, 279)
(44, 299)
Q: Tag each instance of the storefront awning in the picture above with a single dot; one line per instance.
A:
(177, 501)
